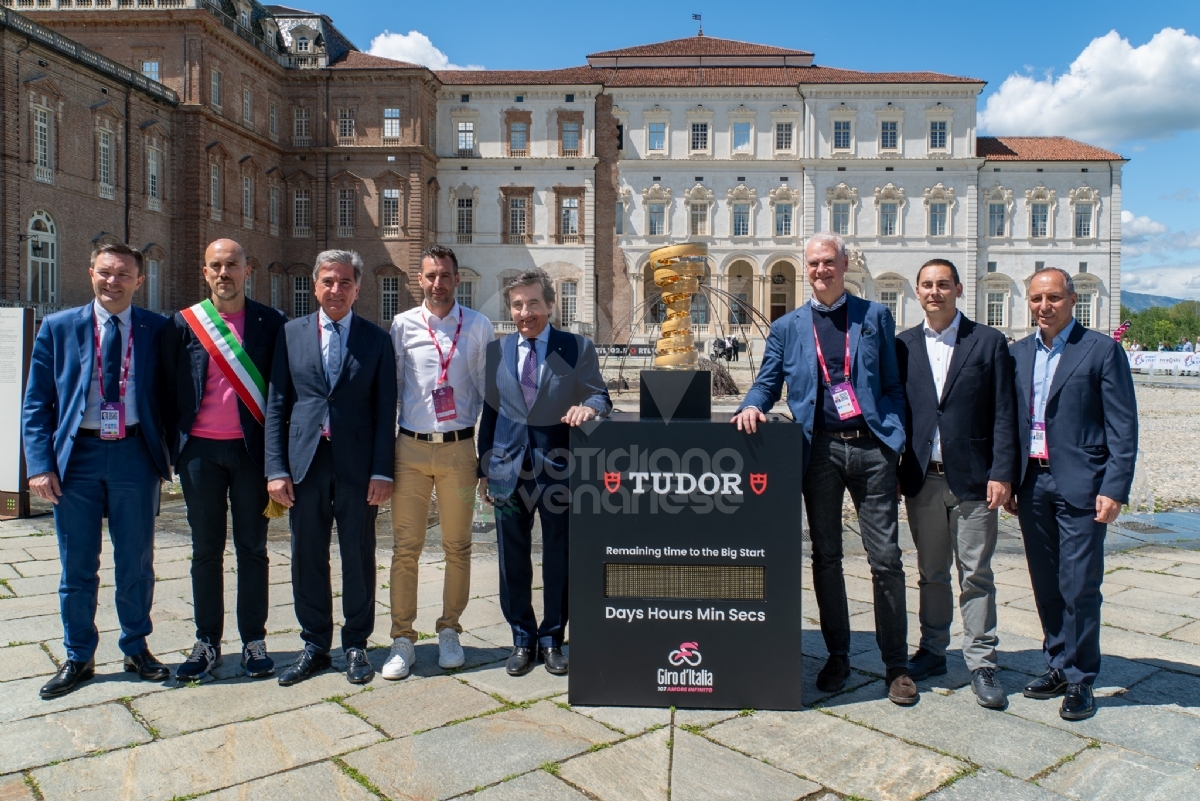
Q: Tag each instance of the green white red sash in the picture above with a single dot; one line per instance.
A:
(229, 356)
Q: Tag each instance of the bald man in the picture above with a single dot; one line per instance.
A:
(216, 357)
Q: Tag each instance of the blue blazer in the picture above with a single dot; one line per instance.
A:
(60, 377)
(508, 429)
(361, 405)
(1091, 416)
(790, 358)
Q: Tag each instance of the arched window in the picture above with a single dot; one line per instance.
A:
(43, 258)
(302, 44)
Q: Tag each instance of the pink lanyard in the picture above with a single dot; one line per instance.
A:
(444, 361)
(821, 356)
(100, 358)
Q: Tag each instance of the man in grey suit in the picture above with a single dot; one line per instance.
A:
(331, 428)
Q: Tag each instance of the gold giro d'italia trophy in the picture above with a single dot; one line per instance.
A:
(675, 389)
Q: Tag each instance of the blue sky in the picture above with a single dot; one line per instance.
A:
(1120, 76)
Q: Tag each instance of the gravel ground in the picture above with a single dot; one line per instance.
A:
(1169, 445)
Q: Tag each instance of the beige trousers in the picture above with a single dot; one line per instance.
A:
(421, 466)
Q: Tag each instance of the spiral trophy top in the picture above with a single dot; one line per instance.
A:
(678, 270)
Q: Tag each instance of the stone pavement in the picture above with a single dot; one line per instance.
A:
(478, 733)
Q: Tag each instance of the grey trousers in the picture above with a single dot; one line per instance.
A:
(945, 528)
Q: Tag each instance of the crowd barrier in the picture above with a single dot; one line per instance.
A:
(1175, 363)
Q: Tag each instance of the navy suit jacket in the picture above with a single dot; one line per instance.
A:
(60, 376)
(1091, 417)
(184, 364)
(508, 428)
(790, 358)
(361, 405)
(975, 415)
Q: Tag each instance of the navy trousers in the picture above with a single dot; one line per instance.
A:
(514, 543)
(118, 480)
(1064, 547)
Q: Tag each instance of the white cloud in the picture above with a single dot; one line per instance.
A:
(1140, 282)
(1113, 92)
(1139, 227)
(1173, 281)
(416, 48)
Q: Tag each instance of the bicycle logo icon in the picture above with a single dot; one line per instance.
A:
(687, 652)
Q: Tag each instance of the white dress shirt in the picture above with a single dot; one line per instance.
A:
(418, 366)
(940, 349)
(543, 343)
(91, 412)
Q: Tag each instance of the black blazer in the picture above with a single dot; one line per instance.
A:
(361, 406)
(184, 368)
(976, 414)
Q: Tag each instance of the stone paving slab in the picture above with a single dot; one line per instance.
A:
(64, 735)
(323, 780)
(23, 661)
(627, 719)
(1168, 690)
(21, 698)
(701, 769)
(533, 685)
(987, 785)
(208, 760)
(415, 704)
(634, 770)
(1114, 774)
(15, 788)
(1154, 601)
(537, 784)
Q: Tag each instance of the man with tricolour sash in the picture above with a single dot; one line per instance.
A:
(216, 356)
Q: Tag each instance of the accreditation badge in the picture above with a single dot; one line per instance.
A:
(112, 420)
(1038, 446)
(845, 400)
(443, 404)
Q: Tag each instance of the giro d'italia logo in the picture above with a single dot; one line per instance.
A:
(688, 679)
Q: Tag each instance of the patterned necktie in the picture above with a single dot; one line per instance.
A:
(529, 384)
(112, 359)
(334, 362)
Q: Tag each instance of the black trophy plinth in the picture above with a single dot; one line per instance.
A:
(676, 395)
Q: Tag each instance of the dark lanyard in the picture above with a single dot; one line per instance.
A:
(100, 358)
(444, 361)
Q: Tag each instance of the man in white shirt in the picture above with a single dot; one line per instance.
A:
(440, 348)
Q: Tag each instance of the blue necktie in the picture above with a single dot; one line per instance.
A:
(334, 365)
(112, 359)
(529, 384)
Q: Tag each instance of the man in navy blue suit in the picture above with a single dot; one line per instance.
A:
(94, 448)
(539, 383)
(837, 355)
(1077, 424)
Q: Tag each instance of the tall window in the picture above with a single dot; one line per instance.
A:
(465, 224)
(151, 70)
(699, 136)
(937, 135)
(569, 218)
(841, 218)
(570, 139)
(214, 190)
(301, 127)
(937, 219)
(1039, 220)
(518, 219)
(891, 299)
(698, 219)
(889, 135)
(1083, 309)
(465, 294)
(700, 308)
(247, 106)
(568, 297)
(275, 292)
(996, 301)
(104, 168)
(657, 139)
(1083, 221)
(346, 129)
(302, 44)
(273, 210)
(783, 219)
(248, 288)
(619, 219)
(390, 213)
(345, 210)
(391, 125)
(783, 136)
(655, 219)
(273, 120)
(996, 219)
(389, 298)
(41, 145)
(741, 137)
(889, 214)
(841, 135)
(154, 178)
(153, 284)
(42, 258)
(301, 205)
(248, 200)
(216, 88)
(466, 139)
(518, 139)
(737, 311)
(741, 219)
(301, 295)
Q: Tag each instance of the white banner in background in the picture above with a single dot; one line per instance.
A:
(1149, 361)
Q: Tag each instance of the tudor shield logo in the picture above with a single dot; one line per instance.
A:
(612, 481)
(758, 483)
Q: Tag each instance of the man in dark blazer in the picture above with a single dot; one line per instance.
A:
(214, 406)
(539, 382)
(852, 414)
(331, 436)
(1078, 432)
(94, 448)
(956, 472)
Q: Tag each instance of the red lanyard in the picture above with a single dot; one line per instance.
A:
(444, 361)
(100, 358)
(821, 356)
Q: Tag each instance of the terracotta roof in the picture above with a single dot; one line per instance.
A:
(700, 46)
(570, 75)
(1040, 148)
(762, 76)
(816, 74)
(355, 60)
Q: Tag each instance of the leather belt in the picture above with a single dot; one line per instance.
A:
(130, 431)
(1043, 463)
(441, 436)
(856, 433)
(938, 468)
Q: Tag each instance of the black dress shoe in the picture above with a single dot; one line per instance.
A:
(555, 659)
(925, 664)
(1078, 703)
(358, 668)
(1050, 684)
(520, 661)
(988, 690)
(147, 666)
(68, 677)
(305, 665)
(832, 677)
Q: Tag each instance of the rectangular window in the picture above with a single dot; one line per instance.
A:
(153, 175)
(700, 308)
(247, 198)
(841, 135)
(889, 214)
(214, 189)
(996, 301)
(301, 295)
(390, 213)
(841, 218)
(891, 299)
(104, 168)
(1039, 220)
(466, 139)
(570, 139)
(996, 215)
(1083, 221)
(937, 135)
(346, 129)
(153, 285)
(783, 136)
(301, 128)
(465, 295)
(301, 204)
(619, 219)
(655, 219)
(937, 219)
(518, 218)
(1083, 266)
(889, 135)
(569, 219)
(741, 137)
(151, 70)
(389, 298)
(783, 219)
(248, 289)
(345, 211)
(273, 120)
(657, 136)
(1038, 266)
(741, 219)
(41, 145)
(1083, 309)
(737, 311)
(466, 220)
(992, 266)
(568, 297)
(699, 136)
(698, 219)
(273, 210)
(620, 137)
(275, 292)
(216, 88)
(247, 106)
(518, 139)
(391, 126)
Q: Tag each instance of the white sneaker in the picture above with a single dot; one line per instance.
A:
(401, 659)
(450, 653)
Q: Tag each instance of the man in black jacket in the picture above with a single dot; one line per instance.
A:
(215, 357)
(956, 472)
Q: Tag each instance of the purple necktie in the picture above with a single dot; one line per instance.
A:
(529, 375)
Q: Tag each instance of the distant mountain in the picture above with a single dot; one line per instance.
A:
(1136, 301)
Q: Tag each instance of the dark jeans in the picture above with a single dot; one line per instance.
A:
(218, 474)
(868, 470)
(514, 527)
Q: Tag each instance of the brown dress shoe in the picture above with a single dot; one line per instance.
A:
(901, 689)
